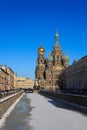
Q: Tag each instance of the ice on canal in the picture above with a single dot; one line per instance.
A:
(36, 112)
(17, 116)
(47, 116)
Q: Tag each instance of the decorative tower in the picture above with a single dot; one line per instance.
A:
(40, 67)
(48, 72)
(58, 65)
(57, 53)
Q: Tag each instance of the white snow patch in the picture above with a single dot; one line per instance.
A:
(2, 120)
(46, 116)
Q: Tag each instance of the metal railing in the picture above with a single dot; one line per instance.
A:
(4, 93)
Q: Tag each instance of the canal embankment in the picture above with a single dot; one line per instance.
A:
(72, 98)
(18, 115)
(6, 102)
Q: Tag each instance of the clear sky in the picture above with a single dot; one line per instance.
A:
(26, 23)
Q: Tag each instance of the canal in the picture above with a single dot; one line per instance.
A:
(19, 117)
(36, 112)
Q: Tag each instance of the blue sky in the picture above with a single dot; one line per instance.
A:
(24, 24)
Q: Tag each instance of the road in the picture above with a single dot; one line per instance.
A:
(36, 112)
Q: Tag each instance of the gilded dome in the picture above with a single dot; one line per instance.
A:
(66, 58)
(41, 49)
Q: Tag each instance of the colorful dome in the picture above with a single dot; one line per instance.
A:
(41, 49)
(50, 58)
(66, 58)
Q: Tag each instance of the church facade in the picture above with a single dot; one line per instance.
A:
(48, 70)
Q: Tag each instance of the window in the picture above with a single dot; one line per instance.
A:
(49, 75)
(49, 82)
(57, 58)
(79, 82)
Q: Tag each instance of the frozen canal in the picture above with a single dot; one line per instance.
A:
(35, 112)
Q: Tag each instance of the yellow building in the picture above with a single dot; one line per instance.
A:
(23, 82)
(15, 81)
(3, 78)
(10, 78)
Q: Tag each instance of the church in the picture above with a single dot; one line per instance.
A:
(49, 70)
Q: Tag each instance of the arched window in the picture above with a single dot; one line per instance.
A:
(57, 57)
(49, 82)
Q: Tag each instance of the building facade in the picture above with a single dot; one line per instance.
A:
(23, 82)
(15, 81)
(76, 75)
(6, 78)
(10, 78)
(3, 78)
(48, 69)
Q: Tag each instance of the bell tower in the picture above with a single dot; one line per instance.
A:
(40, 67)
(40, 59)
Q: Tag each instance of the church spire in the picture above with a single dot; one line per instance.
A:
(57, 38)
(57, 45)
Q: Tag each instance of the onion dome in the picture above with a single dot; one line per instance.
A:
(41, 49)
(66, 58)
(56, 35)
(57, 46)
(50, 58)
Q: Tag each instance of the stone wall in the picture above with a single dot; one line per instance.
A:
(6, 102)
(72, 98)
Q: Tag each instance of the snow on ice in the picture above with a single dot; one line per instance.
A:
(46, 116)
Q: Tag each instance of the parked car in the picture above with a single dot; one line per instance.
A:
(29, 90)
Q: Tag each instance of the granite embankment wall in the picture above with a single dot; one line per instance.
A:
(72, 98)
(6, 102)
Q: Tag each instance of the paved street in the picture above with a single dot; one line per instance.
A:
(35, 112)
